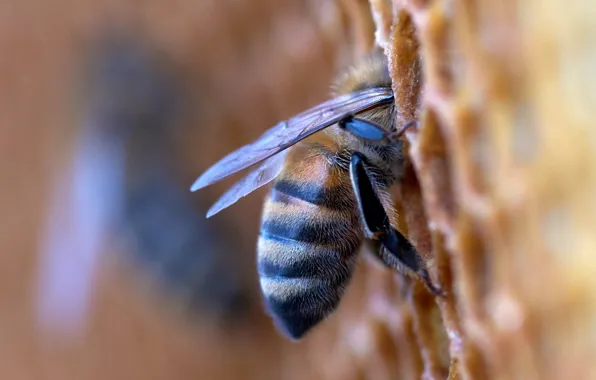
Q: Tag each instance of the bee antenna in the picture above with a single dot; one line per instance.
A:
(397, 134)
(408, 126)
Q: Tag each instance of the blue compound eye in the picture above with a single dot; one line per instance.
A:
(363, 129)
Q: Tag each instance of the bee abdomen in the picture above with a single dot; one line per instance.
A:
(306, 250)
(307, 261)
(314, 193)
(302, 283)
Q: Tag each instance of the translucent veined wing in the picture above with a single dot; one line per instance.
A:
(259, 177)
(289, 132)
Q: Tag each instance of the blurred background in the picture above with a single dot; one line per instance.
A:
(110, 110)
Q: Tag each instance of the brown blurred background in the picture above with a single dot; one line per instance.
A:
(160, 90)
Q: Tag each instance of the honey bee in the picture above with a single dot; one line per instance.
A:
(329, 195)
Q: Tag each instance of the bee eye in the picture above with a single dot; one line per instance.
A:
(363, 128)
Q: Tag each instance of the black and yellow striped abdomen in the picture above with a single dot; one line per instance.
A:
(307, 245)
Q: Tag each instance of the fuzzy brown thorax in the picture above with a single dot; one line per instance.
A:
(371, 71)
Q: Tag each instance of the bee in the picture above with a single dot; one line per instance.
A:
(331, 168)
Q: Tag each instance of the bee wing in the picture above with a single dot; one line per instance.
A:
(259, 177)
(287, 133)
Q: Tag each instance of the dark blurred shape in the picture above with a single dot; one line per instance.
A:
(133, 89)
(142, 101)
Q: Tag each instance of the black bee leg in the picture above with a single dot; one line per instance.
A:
(372, 213)
(397, 252)
(374, 247)
(362, 128)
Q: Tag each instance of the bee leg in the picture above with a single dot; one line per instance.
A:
(362, 128)
(374, 248)
(397, 252)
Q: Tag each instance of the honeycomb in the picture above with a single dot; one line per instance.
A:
(498, 196)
